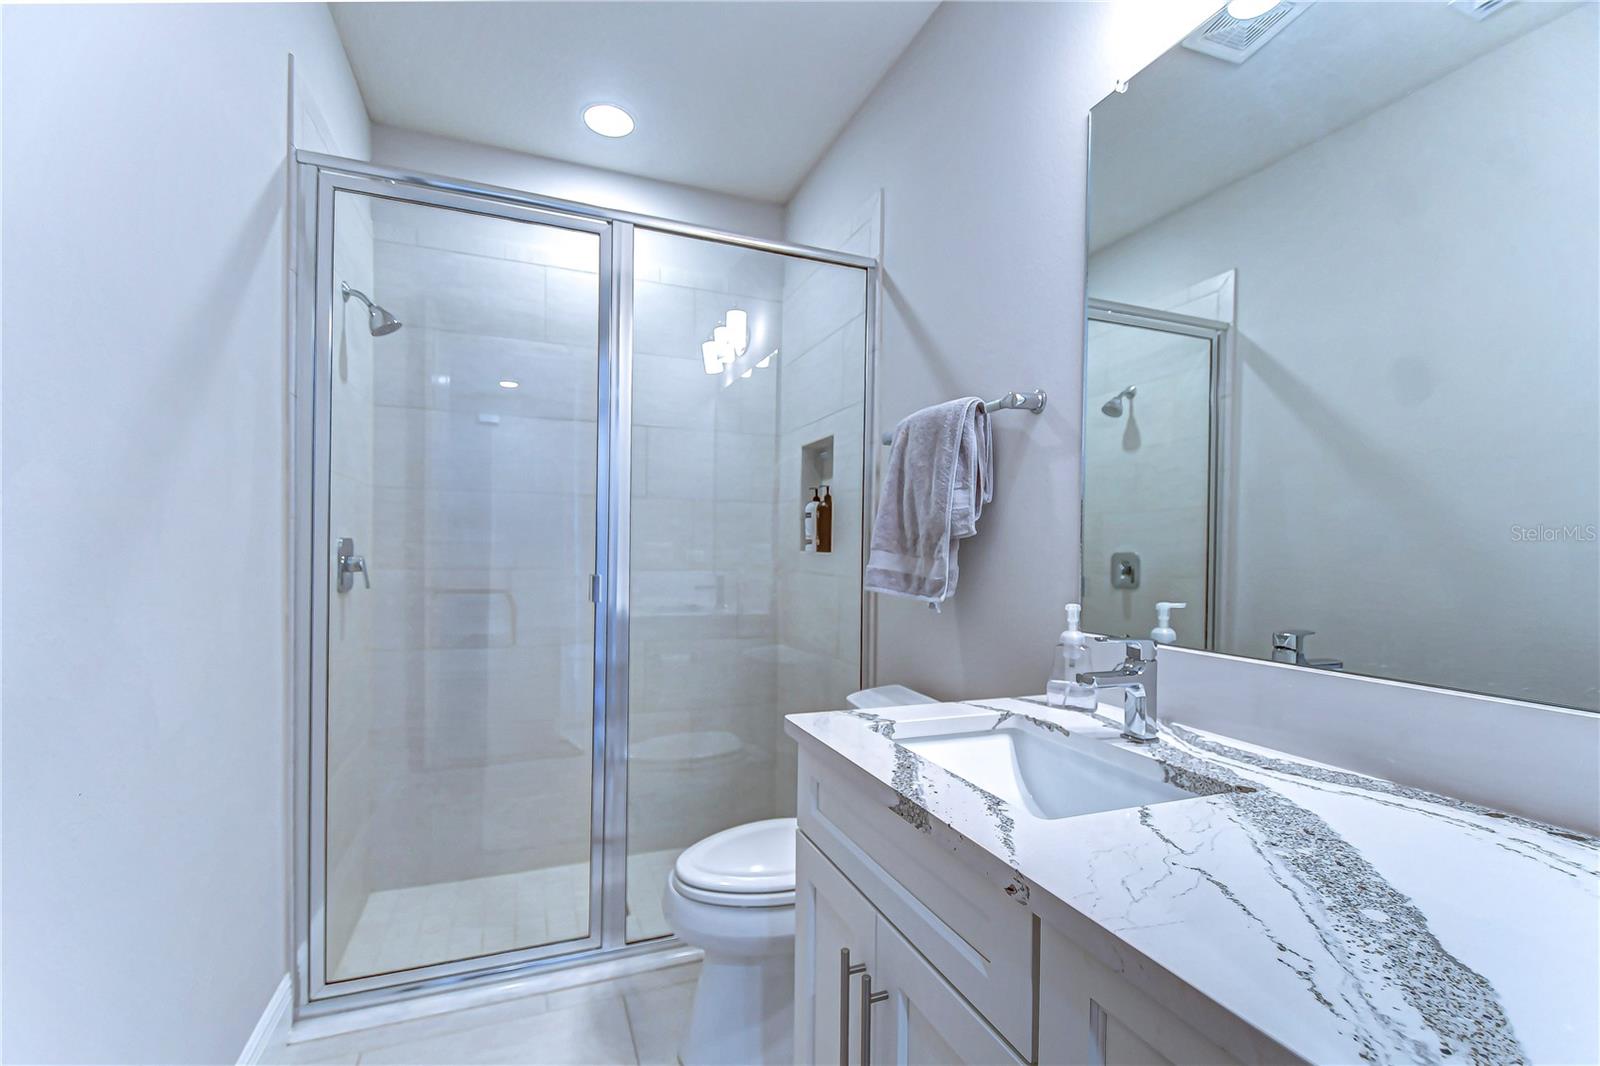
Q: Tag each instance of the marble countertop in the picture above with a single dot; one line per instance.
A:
(1347, 918)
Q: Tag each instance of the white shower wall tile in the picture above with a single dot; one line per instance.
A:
(669, 534)
(673, 393)
(821, 391)
(812, 382)
(572, 302)
(465, 293)
(465, 529)
(827, 299)
(664, 321)
(743, 464)
(449, 371)
(675, 462)
(443, 450)
(490, 237)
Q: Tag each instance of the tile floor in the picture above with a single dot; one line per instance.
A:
(400, 928)
(626, 1020)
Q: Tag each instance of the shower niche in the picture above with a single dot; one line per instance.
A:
(816, 487)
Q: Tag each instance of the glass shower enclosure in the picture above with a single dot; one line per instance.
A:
(552, 595)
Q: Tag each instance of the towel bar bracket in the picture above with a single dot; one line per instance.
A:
(1032, 402)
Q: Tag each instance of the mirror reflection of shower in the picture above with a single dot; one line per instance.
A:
(1113, 406)
(379, 321)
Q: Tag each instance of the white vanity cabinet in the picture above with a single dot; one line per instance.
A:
(960, 968)
(864, 994)
(1097, 1017)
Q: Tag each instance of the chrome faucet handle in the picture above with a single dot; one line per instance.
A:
(1291, 639)
(1134, 649)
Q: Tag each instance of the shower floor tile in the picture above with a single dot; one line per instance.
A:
(401, 928)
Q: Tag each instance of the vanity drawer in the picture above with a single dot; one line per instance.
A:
(976, 934)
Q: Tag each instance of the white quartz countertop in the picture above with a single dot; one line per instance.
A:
(1348, 918)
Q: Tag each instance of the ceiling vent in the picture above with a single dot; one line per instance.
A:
(1224, 37)
(1478, 9)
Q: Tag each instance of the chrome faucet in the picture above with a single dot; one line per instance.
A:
(1289, 646)
(1136, 676)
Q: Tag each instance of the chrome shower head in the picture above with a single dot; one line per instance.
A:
(379, 321)
(1113, 406)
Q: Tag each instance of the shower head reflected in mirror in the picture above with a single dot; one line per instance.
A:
(379, 321)
(1113, 406)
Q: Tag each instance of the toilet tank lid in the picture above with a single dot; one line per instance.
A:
(888, 696)
(754, 857)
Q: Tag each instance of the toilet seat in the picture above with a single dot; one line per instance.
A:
(749, 865)
(732, 899)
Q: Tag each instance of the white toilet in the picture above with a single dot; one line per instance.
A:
(732, 895)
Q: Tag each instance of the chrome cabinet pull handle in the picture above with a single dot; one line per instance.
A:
(868, 998)
(846, 971)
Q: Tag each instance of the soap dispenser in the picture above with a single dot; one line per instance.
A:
(1072, 658)
(809, 525)
(1163, 633)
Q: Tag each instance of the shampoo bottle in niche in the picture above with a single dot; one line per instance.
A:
(809, 523)
(1072, 658)
(1163, 633)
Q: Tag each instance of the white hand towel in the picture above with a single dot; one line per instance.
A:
(940, 475)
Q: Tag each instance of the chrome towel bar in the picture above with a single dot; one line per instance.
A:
(1012, 401)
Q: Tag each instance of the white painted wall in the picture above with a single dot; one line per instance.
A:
(430, 154)
(145, 445)
(977, 140)
(1416, 376)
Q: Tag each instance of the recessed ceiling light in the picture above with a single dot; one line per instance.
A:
(608, 120)
(1245, 10)
(507, 383)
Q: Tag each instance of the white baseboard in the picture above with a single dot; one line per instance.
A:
(272, 1028)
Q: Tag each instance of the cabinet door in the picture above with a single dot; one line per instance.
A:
(1097, 1017)
(923, 1021)
(831, 918)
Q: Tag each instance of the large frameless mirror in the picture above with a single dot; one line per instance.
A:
(1341, 379)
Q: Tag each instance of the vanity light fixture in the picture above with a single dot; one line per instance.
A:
(738, 329)
(729, 340)
(608, 120)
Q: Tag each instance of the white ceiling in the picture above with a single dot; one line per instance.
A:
(1190, 124)
(740, 98)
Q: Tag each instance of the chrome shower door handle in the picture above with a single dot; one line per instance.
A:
(846, 971)
(351, 564)
(868, 998)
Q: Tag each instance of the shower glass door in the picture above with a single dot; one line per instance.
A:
(1151, 451)
(462, 513)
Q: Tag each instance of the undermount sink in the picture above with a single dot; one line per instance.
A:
(1048, 775)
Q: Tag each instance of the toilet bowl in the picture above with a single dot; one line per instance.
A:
(732, 895)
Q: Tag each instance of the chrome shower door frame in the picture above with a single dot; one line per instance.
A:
(1215, 334)
(316, 178)
(316, 300)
